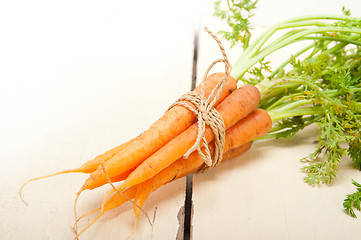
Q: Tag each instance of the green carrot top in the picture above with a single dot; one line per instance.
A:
(320, 83)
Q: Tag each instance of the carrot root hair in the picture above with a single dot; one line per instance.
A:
(134, 227)
(85, 215)
(88, 226)
(46, 176)
(75, 227)
(121, 194)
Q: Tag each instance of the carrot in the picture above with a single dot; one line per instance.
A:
(235, 152)
(114, 179)
(235, 107)
(172, 123)
(93, 164)
(256, 124)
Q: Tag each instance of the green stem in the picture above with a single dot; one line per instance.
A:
(242, 66)
(277, 115)
(254, 49)
(297, 21)
(283, 99)
(343, 40)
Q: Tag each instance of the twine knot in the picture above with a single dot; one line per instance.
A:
(207, 114)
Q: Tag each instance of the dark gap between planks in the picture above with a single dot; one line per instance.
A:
(188, 203)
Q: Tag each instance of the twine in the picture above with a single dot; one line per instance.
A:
(207, 114)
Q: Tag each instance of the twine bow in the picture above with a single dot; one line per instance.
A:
(207, 114)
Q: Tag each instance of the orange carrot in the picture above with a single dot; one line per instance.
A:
(93, 164)
(114, 179)
(235, 152)
(256, 124)
(235, 107)
(172, 123)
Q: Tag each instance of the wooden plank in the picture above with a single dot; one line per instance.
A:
(78, 78)
(261, 195)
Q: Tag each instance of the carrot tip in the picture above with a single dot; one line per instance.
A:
(75, 227)
(80, 191)
(134, 227)
(22, 199)
(88, 226)
(75, 232)
(86, 214)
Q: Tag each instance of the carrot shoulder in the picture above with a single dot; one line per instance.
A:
(235, 107)
(172, 123)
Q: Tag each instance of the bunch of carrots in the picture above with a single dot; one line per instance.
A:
(155, 157)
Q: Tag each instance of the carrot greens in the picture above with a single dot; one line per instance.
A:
(320, 83)
(353, 200)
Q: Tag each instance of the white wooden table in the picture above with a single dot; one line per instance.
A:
(79, 77)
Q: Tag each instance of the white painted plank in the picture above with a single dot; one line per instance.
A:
(261, 195)
(78, 78)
